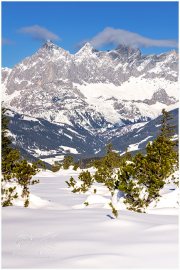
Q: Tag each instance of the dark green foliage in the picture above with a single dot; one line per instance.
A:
(75, 190)
(148, 173)
(13, 167)
(87, 180)
(71, 182)
(114, 211)
(26, 203)
(8, 195)
(86, 203)
(76, 166)
(67, 162)
(128, 184)
(126, 157)
(167, 130)
(56, 166)
(9, 155)
(9, 163)
(4, 133)
(106, 168)
(140, 177)
(23, 172)
(175, 180)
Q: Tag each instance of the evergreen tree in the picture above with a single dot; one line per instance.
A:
(87, 179)
(56, 166)
(147, 174)
(71, 182)
(24, 172)
(143, 177)
(106, 169)
(167, 130)
(76, 166)
(9, 155)
(114, 211)
(67, 162)
(14, 168)
(4, 133)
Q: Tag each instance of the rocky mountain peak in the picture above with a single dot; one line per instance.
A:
(79, 97)
(127, 51)
(53, 84)
(49, 45)
(87, 49)
(50, 49)
(162, 97)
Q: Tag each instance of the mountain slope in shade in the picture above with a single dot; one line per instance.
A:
(48, 141)
(137, 139)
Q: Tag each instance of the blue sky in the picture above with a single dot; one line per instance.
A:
(104, 24)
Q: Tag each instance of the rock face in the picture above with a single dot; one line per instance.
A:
(94, 91)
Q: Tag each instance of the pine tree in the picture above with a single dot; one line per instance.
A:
(14, 168)
(114, 211)
(106, 169)
(76, 166)
(167, 130)
(148, 173)
(56, 166)
(71, 182)
(4, 135)
(9, 155)
(24, 172)
(161, 153)
(67, 162)
(87, 179)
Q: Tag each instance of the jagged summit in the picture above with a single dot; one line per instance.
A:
(50, 45)
(87, 46)
(81, 96)
(66, 82)
(86, 49)
(50, 49)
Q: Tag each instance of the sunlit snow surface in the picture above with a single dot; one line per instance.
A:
(59, 231)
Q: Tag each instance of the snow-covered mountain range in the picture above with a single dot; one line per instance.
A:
(91, 92)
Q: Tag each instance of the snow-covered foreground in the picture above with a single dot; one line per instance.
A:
(59, 231)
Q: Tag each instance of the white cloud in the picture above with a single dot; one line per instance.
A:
(38, 32)
(119, 36)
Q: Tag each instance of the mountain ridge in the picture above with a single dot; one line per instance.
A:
(92, 92)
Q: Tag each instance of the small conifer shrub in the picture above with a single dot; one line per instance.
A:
(114, 211)
(14, 168)
(67, 162)
(71, 182)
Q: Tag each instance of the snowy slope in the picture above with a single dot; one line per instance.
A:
(83, 98)
(62, 234)
(52, 141)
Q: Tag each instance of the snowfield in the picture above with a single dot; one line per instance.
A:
(59, 231)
